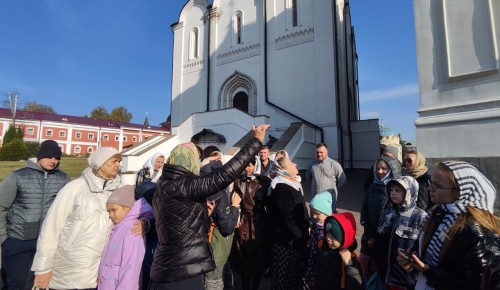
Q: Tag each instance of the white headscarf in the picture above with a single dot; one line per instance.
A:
(150, 165)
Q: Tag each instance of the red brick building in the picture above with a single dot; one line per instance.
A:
(77, 135)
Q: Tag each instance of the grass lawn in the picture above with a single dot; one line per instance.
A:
(73, 166)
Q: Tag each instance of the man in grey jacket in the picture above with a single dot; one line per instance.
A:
(325, 174)
(25, 197)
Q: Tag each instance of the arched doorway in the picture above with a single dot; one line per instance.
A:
(240, 101)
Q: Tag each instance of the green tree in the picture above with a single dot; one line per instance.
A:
(33, 106)
(100, 113)
(121, 114)
(13, 134)
(14, 151)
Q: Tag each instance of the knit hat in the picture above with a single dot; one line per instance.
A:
(322, 202)
(342, 226)
(393, 150)
(101, 155)
(123, 196)
(332, 227)
(49, 148)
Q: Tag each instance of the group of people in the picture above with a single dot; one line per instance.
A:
(429, 230)
(185, 225)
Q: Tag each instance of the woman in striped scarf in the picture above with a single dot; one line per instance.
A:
(462, 236)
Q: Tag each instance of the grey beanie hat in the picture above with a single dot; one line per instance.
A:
(101, 155)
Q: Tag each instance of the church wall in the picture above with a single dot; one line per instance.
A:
(189, 71)
(301, 65)
(457, 47)
(459, 80)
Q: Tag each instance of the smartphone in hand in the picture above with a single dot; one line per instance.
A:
(404, 254)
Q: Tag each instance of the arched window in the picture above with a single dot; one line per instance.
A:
(237, 27)
(240, 101)
(194, 43)
(294, 12)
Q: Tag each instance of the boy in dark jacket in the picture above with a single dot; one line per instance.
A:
(337, 266)
(400, 227)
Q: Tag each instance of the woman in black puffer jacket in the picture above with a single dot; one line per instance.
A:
(460, 242)
(183, 254)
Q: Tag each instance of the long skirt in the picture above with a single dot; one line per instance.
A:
(286, 267)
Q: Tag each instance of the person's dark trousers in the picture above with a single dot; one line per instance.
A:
(194, 283)
(17, 257)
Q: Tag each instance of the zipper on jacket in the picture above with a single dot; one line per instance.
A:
(390, 249)
(45, 176)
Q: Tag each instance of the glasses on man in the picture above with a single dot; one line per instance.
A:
(408, 160)
(433, 187)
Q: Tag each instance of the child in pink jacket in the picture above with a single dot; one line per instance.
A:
(121, 260)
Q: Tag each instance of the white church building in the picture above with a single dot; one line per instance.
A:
(289, 63)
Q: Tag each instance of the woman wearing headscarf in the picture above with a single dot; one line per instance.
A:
(281, 153)
(289, 226)
(414, 166)
(183, 254)
(151, 171)
(77, 226)
(462, 235)
(374, 201)
(246, 258)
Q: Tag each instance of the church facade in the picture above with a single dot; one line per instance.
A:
(289, 63)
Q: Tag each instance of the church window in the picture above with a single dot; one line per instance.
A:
(194, 43)
(237, 27)
(294, 12)
(240, 101)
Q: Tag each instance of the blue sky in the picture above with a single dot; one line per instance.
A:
(76, 55)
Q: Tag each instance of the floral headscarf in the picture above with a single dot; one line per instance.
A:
(280, 175)
(186, 156)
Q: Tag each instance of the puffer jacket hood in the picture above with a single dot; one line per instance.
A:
(182, 220)
(394, 166)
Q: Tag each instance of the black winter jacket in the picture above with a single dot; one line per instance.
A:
(289, 221)
(329, 270)
(182, 219)
(463, 265)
